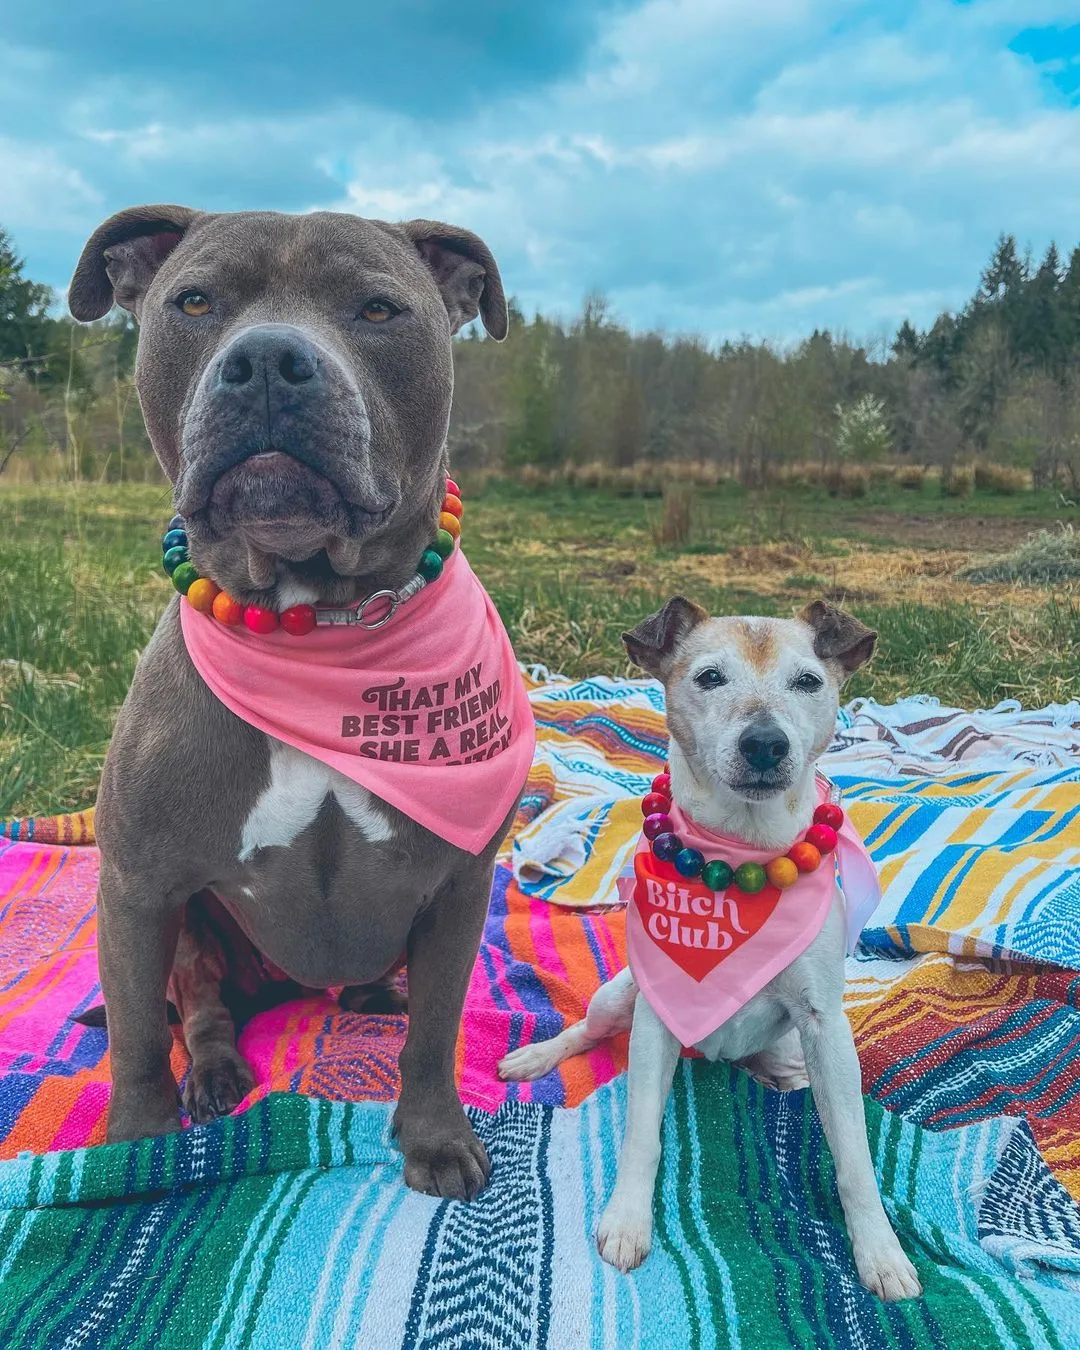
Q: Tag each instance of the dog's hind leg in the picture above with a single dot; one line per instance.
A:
(219, 1077)
(611, 1010)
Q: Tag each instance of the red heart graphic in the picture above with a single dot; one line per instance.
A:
(692, 925)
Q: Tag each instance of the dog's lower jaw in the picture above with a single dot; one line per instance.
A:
(773, 822)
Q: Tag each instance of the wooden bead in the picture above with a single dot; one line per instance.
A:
(450, 524)
(750, 877)
(260, 620)
(452, 488)
(430, 565)
(298, 620)
(453, 505)
(665, 846)
(201, 595)
(177, 523)
(689, 862)
(174, 539)
(654, 802)
(444, 543)
(782, 873)
(805, 856)
(173, 558)
(717, 875)
(823, 838)
(659, 823)
(183, 576)
(829, 814)
(662, 784)
(227, 610)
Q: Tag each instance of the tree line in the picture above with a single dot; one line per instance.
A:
(998, 380)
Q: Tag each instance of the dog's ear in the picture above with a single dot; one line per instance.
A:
(839, 637)
(653, 643)
(122, 257)
(465, 273)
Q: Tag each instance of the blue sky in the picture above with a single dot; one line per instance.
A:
(726, 167)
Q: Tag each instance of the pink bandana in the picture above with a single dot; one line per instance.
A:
(429, 713)
(698, 957)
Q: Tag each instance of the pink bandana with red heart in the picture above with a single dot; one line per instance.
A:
(429, 713)
(699, 956)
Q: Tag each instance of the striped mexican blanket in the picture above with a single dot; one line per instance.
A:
(288, 1225)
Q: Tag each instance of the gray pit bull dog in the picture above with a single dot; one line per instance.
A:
(295, 376)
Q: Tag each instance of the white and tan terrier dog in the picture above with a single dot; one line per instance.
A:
(751, 705)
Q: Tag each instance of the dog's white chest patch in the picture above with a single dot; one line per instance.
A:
(297, 789)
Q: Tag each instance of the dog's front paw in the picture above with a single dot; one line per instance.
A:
(624, 1235)
(217, 1086)
(441, 1159)
(885, 1270)
(527, 1063)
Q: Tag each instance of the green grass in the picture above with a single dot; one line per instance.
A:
(569, 571)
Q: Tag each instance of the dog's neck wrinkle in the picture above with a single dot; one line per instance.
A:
(775, 823)
(334, 576)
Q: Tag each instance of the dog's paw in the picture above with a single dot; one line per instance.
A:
(885, 1270)
(216, 1086)
(374, 998)
(527, 1062)
(455, 1167)
(624, 1236)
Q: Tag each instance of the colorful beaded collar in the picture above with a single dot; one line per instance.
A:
(803, 856)
(298, 620)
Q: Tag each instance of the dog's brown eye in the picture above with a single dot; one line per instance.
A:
(710, 679)
(807, 683)
(194, 303)
(378, 311)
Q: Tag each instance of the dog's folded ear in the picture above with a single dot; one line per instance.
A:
(653, 643)
(465, 273)
(122, 257)
(839, 636)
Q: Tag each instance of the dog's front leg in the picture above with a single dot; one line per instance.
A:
(137, 932)
(443, 1156)
(832, 1065)
(624, 1234)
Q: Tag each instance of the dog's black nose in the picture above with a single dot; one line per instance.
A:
(274, 354)
(763, 745)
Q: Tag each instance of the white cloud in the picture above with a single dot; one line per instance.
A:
(41, 192)
(726, 166)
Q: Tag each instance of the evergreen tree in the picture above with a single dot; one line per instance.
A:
(25, 326)
(1069, 310)
(906, 343)
(1037, 335)
(1004, 274)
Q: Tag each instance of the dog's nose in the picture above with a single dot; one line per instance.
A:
(763, 745)
(271, 354)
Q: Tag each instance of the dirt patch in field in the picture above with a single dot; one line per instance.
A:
(987, 534)
(866, 576)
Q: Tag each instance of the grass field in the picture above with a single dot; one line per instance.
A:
(569, 571)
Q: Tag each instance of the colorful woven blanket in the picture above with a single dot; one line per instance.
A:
(288, 1225)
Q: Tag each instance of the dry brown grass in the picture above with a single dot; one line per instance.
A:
(958, 481)
(911, 477)
(1001, 478)
(675, 528)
